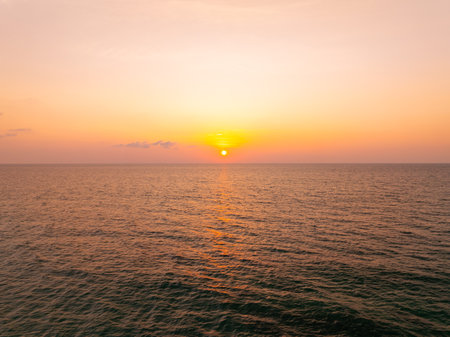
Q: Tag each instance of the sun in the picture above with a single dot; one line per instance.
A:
(224, 152)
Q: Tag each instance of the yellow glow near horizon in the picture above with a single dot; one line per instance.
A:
(225, 139)
(268, 81)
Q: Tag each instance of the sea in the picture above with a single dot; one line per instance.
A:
(225, 250)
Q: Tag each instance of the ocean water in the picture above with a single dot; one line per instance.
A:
(225, 250)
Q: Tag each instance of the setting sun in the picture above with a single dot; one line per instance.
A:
(224, 152)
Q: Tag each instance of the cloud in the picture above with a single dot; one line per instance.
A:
(14, 132)
(20, 130)
(146, 145)
(166, 145)
(142, 145)
(9, 134)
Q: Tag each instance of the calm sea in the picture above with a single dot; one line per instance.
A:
(225, 250)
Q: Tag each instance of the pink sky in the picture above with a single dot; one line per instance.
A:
(270, 81)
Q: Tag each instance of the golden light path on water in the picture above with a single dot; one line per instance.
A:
(268, 250)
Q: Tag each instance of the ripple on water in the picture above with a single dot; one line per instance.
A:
(276, 250)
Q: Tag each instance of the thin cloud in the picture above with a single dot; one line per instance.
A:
(20, 130)
(166, 145)
(14, 132)
(141, 145)
(9, 134)
(146, 145)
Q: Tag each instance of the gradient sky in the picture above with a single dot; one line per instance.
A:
(97, 81)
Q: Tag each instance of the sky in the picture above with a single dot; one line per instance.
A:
(179, 81)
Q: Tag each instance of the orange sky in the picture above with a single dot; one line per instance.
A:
(270, 81)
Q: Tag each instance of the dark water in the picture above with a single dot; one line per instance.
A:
(277, 250)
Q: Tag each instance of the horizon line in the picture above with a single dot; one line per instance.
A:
(233, 163)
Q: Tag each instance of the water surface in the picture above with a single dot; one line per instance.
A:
(221, 250)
